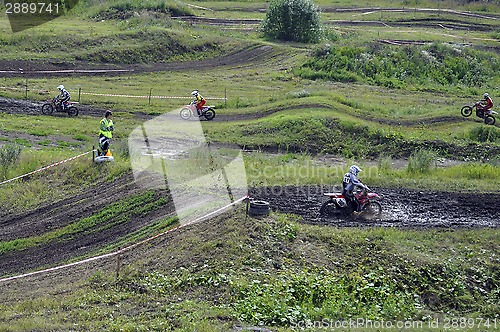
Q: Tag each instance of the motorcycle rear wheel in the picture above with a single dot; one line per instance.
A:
(73, 111)
(327, 209)
(47, 109)
(372, 210)
(489, 120)
(466, 111)
(209, 114)
(185, 113)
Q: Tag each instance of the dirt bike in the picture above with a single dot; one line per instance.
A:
(55, 105)
(190, 110)
(489, 118)
(338, 204)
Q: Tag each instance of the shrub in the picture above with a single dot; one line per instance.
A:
(421, 161)
(292, 20)
(9, 154)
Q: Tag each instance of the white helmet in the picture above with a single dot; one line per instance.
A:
(60, 87)
(486, 95)
(354, 170)
(194, 93)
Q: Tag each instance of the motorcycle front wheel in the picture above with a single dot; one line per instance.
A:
(185, 113)
(489, 120)
(73, 111)
(209, 114)
(466, 111)
(373, 210)
(47, 109)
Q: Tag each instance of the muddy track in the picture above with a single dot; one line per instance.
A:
(401, 207)
(55, 216)
(254, 54)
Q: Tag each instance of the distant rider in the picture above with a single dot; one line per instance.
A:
(200, 101)
(349, 183)
(106, 128)
(486, 104)
(63, 96)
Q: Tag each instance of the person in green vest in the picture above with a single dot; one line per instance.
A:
(106, 128)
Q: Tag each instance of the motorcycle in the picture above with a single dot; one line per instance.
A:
(489, 118)
(190, 110)
(54, 105)
(369, 205)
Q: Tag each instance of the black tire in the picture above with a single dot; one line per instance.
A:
(185, 113)
(466, 111)
(489, 120)
(47, 109)
(209, 114)
(373, 210)
(73, 111)
(259, 208)
(327, 209)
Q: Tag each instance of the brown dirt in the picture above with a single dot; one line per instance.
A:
(59, 214)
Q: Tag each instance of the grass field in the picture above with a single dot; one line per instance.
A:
(303, 113)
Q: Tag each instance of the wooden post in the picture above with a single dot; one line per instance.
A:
(93, 153)
(150, 91)
(225, 97)
(118, 264)
(79, 93)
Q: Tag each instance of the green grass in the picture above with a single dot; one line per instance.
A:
(265, 169)
(287, 273)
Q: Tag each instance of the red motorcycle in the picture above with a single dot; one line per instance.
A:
(55, 105)
(338, 204)
(489, 118)
(190, 110)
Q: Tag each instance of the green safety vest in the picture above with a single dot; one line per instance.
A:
(105, 128)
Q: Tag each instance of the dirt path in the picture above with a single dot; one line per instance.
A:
(402, 208)
(57, 215)
(37, 68)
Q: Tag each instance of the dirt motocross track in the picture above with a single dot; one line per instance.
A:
(401, 208)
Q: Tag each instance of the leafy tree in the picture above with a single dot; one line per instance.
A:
(292, 20)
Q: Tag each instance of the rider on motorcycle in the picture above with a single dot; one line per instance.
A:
(349, 183)
(486, 104)
(200, 101)
(63, 96)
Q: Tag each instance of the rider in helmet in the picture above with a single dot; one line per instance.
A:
(200, 101)
(63, 96)
(486, 104)
(349, 183)
(106, 128)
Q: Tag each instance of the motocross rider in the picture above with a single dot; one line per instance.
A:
(349, 183)
(200, 101)
(63, 96)
(106, 128)
(486, 104)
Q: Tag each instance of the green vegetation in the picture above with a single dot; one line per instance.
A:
(292, 20)
(9, 154)
(437, 66)
(287, 274)
(309, 111)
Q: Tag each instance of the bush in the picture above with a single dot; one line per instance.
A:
(9, 154)
(421, 161)
(292, 20)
